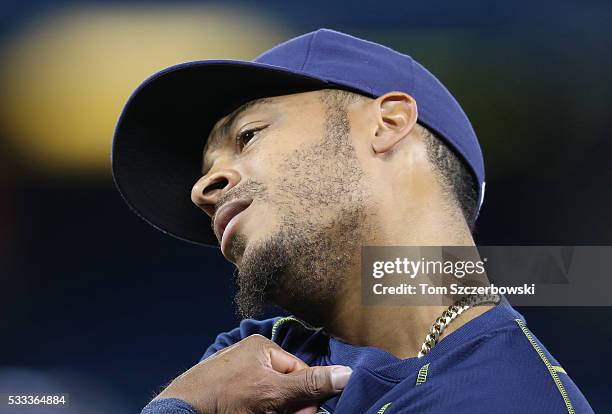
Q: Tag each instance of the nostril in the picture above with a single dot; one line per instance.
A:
(220, 184)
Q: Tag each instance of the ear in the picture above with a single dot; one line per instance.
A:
(397, 115)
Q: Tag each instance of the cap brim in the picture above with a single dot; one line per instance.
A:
(161, 133)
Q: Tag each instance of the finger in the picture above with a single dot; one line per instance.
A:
(284, 362)
(315, 383)
(308, 410)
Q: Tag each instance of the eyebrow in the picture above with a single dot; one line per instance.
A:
(227, 125)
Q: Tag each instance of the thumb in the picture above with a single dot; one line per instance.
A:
(317, 383)
(308, 410)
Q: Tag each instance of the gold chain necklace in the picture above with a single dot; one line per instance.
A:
(450, 315)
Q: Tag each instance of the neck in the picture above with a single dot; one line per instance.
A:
(399, 330)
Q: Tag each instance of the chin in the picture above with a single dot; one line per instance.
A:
(243, 247)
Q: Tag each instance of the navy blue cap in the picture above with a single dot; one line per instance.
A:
(162, 130)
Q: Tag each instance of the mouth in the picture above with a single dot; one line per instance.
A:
(225, 220)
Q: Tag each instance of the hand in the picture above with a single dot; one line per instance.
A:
(256, 376)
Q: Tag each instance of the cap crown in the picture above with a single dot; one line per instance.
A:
(374, 69)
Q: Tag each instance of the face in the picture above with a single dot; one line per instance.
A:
(288, 196)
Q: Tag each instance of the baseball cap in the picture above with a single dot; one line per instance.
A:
(161, 132)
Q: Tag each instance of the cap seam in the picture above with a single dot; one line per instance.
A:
(308, 52)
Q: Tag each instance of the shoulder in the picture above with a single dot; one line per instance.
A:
(289, 332)
(534, 374)
(246, 328)
(509, 367)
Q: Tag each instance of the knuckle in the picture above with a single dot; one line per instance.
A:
(256, 339)
(258, 343)
(313, 382)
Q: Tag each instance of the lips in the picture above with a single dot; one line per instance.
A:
(226, 217)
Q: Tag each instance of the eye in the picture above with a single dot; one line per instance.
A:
(246, 136)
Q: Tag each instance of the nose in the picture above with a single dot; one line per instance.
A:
(208, 189)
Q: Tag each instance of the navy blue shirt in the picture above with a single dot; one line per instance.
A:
(493, 363)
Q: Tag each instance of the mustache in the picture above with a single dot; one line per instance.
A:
(251, 190)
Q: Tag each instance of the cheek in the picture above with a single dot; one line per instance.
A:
(273, 164)
(267, 162)
(263, 167)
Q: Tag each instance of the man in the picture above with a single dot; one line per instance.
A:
(324, 144)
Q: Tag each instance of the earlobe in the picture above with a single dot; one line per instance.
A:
(397, 115)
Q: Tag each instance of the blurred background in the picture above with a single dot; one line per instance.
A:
(96, 303)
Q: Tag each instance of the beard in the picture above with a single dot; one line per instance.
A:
(302, 267)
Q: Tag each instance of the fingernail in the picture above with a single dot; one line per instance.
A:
(340, 376)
